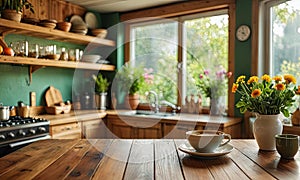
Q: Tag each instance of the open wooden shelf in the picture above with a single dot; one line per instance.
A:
(7, 26)
(54, 63)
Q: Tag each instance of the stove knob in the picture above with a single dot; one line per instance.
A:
(22, 133)
(32, 131)
(42, 129)
(11, 135)
(2, 137)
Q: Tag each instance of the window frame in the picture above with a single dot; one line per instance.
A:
(265, 38)
(189, 9)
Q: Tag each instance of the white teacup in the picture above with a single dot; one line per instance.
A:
(207, 141)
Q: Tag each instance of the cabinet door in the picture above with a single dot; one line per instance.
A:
(153, 132)
(94, 129)
(177, 131)
(119, 129)
(66, 131)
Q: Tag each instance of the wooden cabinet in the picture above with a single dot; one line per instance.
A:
(53, 9)
(125, 126)
(177, 130)
(66, 131)
(131, 127)
(82, 124)
(93, 129)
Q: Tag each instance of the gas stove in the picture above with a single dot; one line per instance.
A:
(18, 132)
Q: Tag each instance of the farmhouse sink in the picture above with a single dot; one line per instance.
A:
(147, 113)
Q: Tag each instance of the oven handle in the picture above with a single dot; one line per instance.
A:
(12, 145)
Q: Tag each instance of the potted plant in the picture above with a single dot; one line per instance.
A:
(268, 98)
(13, 9)
(101, 88)
(131, 80)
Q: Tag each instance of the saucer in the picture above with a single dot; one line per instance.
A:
(220, 151)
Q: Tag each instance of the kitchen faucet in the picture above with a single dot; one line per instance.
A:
(173, 106)
(156, 104)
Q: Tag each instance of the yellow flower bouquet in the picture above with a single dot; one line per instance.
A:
(266, 96)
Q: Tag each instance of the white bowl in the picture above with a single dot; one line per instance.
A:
(90, 58)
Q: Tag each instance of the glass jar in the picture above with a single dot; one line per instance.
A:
(33, 50)
(23, 48)
(63, 54)
(71, 55)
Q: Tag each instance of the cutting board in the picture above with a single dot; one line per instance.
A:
(53, 96)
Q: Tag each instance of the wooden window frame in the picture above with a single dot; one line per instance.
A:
(187, 8)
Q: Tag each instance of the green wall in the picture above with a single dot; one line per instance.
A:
(242, 49)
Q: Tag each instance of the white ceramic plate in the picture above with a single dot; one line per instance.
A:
(220, 151)
(91, 20)
(102, 62)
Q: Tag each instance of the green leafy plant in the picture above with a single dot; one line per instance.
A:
(102, 83)
(213, 84)
(133, 79)
(17, 5)
(266, 96)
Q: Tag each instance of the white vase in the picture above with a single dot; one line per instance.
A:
(217, 106)
(265, 128)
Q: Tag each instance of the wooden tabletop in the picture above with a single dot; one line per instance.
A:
(141, 159)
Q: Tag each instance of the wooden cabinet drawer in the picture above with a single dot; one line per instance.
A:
(94, 129)
(66, 131)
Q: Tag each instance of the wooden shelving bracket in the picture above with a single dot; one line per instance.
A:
(31, 70)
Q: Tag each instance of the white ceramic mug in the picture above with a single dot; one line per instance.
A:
(207, 141)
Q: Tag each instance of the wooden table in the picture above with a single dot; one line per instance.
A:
(141, 159)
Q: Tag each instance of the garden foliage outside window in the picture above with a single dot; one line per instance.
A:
(179, 49)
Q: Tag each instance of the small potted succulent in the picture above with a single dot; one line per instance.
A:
(13, 9)
(101, 88)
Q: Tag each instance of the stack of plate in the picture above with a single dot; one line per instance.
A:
(78, 25)
(100, 33)
(50, 23)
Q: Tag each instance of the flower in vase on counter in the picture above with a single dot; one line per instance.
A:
(266, 95)
(213, 84)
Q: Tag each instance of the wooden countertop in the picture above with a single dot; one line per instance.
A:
(200, 119)
(73, 116)
(141, 159)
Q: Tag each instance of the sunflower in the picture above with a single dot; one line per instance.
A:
(289, 79)
(252, 79)
(298, 90)
(240, 79)
(255, 93)
(280, 87)
(266, 78)
(277, 78)
(234, 87)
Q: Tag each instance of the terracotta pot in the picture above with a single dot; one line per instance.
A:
(132, 101)
(11, 15)
(265, 128)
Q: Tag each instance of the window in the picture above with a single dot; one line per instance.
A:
(281, 50)
(179, 49)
